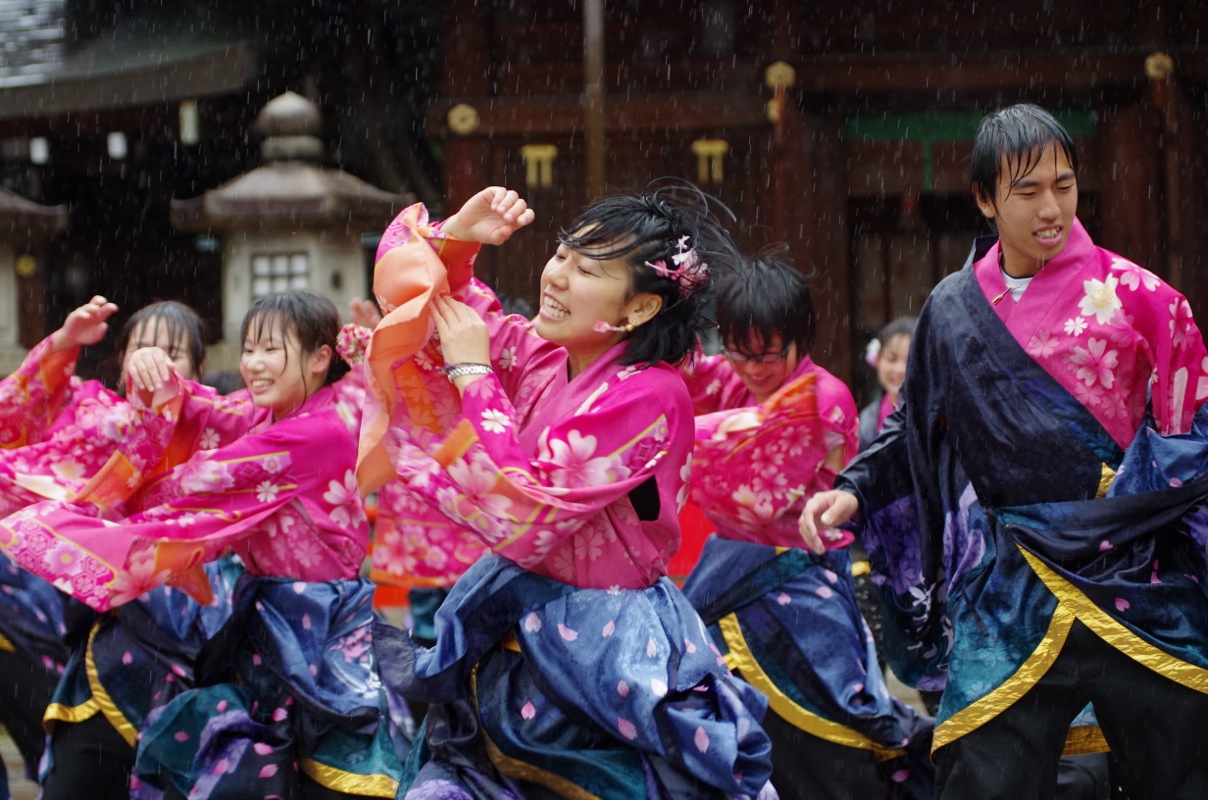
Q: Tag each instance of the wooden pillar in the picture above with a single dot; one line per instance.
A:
(595, 133)
(816, 230)
(1166, 98)
(469, 71)
(1130, 194)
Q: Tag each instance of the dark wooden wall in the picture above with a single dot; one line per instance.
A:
(679, 71)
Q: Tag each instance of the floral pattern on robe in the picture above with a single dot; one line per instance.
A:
(1106, 329)
(758, 464)
(283, 497)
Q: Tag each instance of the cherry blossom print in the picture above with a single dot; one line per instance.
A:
(532, 623)
(610, 628)
(528, 710)
(623, 689)
(1094, 363)
(576, 464)
(209, 439)
(477, 480)
(1100, 299)
(65, 559)
(266, 492)
(203, 476)
(507, 358)
(1134, 276)
(495, 421)
(1182, 325)
(1074, 326)
(349, 510)
(627, 729)
(1201, 388)
(138, 577)
(1122, 605)
(567, 634)
(1042, 344)
(658, 687)
(701, 739)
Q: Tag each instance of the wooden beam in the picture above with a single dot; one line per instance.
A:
(563, 114)
(912, 73)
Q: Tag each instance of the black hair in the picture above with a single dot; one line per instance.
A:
(765, 297)
(178, 321)
(902, 326)
(649, 228)
(1018, 135)
(313, 319)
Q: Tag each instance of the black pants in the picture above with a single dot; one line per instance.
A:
(24, 695)
(805, 767)
(90, 759)
(1154, 726)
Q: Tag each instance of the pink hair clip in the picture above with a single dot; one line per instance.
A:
(690, 271)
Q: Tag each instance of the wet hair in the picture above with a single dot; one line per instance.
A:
(902, 326)
(1017, 135)
(764, 297)
(648, 228)
(312, 319)
(178, 321)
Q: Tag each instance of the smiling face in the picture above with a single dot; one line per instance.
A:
(891, 364)
(278, 374)
(763, 366)
(577, 291)
(154, 332)
(1034, 214)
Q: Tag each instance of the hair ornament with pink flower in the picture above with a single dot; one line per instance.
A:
(690, 270)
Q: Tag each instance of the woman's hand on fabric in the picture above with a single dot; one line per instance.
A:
(86, 325)
(825, 510)
(490, 217)
(464, 337)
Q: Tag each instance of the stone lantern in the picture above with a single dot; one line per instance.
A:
(24, 226)
(289, 224)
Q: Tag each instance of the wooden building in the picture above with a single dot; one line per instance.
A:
(841, 129)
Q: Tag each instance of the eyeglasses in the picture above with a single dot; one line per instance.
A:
(740, 357)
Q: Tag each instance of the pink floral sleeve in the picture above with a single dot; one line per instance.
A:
(1180, 379)
(33, 396)
(290, 487)
(754, 468)
(522, 506)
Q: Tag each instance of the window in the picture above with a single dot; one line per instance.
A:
(279, 272)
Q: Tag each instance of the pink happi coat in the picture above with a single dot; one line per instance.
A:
(65, 439)
(1106, 329)
(414, 543)
(283, 497)
(536, 467)
(756, 464)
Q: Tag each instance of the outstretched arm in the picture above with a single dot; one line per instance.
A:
(826, 510)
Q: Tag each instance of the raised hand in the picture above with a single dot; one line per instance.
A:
(490, 217)
(86, 325)
(364, 313)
